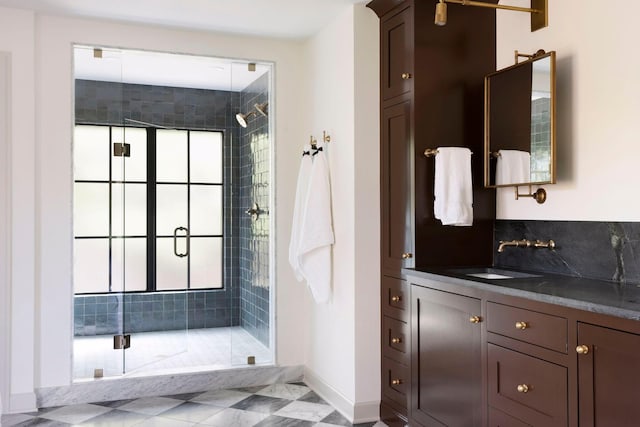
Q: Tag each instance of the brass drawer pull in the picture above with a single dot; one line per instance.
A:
(396, 382)
(407, 255)
(406, 76)
(395, 298)
(522, 325)
(475, 319)
(396, 340)
(523, 388)
(582, 349)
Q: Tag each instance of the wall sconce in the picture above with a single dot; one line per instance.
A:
(538, 11)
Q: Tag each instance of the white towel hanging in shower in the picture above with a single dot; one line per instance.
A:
(316, 234)
(302, 187)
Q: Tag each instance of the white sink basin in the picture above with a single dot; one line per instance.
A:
(489, 276)
(493, 273)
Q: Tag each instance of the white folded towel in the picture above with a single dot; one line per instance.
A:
(453, 191)
(304, 173)
(513, 167)
(316, 234)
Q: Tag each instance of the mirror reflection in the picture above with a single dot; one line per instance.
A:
(520, 123)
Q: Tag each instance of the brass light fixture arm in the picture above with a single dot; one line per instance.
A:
(494, 6)
(538, 11)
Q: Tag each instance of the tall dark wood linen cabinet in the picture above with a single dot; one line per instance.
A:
(432, 95)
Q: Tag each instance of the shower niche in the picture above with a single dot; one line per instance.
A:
(170, 272)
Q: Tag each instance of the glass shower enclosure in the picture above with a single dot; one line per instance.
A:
(171, 214)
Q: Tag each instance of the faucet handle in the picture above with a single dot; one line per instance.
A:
(540, 244)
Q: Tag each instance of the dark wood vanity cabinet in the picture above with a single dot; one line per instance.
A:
(397, 188)
(396, 33)
(431, 94)
(608, 377)
(396, 351)
(482, 358)
(446, 362)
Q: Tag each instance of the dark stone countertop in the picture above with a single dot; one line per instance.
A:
(598, 296)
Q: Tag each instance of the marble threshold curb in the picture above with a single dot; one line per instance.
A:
(121, 388)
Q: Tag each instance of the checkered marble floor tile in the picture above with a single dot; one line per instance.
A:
(276, 405)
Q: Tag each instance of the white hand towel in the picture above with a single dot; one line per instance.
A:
(453, 189)
(302, 187)
(513, 167)
(316, 234)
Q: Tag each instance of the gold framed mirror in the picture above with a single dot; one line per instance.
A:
(520, 123)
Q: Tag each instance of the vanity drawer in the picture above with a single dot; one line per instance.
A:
(529, 326)
(395, 298)
(527, 388)
(395, 340)
(500, 419)
(395, 381)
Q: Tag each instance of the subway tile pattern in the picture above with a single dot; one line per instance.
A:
(246, 177)
(146, 312)
(254, 187)
(223, 408)
(98, 102)
(590, 249)
(540, 143)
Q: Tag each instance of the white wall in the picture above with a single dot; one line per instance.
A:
(342, 357)
(367, 210)
(5, 278)
(597, 110)
(17, 279)
(328, 83)
(39, 282)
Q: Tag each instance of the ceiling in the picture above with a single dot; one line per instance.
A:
(291, 19)
(269, 18)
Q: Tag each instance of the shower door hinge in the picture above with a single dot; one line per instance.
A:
(121, 149)
(121, 341)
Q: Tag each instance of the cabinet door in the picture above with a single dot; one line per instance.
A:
(446, 359)
(397, 54)
(397, 188)
(608, 377)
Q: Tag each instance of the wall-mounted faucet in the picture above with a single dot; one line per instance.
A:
(524, 243)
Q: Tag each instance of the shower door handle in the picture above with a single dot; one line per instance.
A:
(175, 241)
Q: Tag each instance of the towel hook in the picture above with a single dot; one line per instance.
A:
(326, 137)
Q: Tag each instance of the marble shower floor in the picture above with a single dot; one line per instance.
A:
(291, 404)
(166, 352)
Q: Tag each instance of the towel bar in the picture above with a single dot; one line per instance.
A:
(431, 152)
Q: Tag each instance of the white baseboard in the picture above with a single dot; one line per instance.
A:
(21, 402)
(361, 412)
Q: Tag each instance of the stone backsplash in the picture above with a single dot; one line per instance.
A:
(591, 249)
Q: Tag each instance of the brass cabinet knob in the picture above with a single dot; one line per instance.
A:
(396, 340)
(582, 349)
(475, 319)
(406, 76)
(395, 298)
(396, 382)
(522, 325)
(522, 388)
(407, 255)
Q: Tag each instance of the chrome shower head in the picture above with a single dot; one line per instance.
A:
(243, 118)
